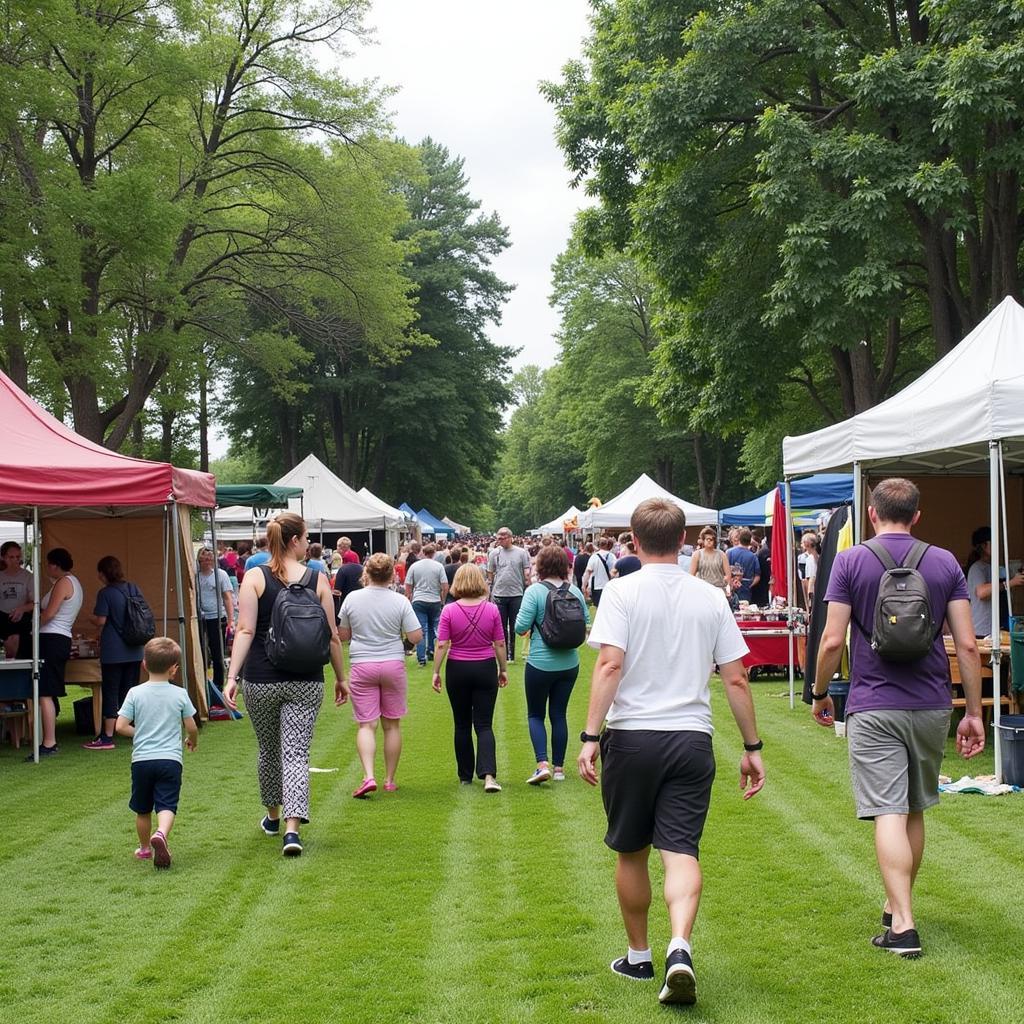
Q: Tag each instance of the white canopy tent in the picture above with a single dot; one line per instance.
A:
(615, 513)
(394, 514)
(963, 417)
(328, 504)
(557, 525)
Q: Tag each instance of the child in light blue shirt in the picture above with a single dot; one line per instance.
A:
(152, 715)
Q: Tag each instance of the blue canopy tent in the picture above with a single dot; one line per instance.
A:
(813, 493)
(431, 524)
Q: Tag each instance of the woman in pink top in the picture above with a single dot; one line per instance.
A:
(470, 635)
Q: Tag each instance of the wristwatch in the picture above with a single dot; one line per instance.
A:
(751, 748)
(819, 696)
(586, 737)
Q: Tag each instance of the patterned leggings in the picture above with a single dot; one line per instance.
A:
(283, 716)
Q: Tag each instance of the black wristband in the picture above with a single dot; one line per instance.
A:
(818, 696)
(586, 737)
(752, 748)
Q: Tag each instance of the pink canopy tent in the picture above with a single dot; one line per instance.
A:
(52, 477)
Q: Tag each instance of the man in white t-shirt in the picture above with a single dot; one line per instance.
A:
(660, 631)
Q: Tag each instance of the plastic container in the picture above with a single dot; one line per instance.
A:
(1017, 655)
(839, 690)
(1011, 748)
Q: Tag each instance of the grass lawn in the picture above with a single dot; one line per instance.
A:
(439, 903)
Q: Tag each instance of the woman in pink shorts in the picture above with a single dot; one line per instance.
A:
(373, 620)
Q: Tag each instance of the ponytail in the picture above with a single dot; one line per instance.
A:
(281, 531)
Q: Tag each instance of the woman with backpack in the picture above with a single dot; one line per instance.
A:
(120, 661)
(553, 662)
(285, 636)
(472, 637)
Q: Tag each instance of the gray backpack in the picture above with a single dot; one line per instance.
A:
(903, 628)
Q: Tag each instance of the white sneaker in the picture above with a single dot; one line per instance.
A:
(539, 776)
(558, 775)
(491, 786)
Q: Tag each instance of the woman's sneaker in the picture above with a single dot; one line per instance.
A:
(100, 743)
(558, 775)
(905, 944)
(272, 826)
(542, 774)
(643, 971)
(680, 981)
(291, 847)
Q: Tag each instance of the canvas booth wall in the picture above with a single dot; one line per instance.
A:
(143, 543)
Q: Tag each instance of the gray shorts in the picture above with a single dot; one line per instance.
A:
(895, 758)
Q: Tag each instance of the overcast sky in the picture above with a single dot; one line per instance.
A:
(468, 71)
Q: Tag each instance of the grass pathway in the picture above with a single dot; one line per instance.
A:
(441, 904)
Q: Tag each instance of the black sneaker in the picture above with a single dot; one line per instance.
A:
(292, 846)
(905, 944)
(272, 826)
(680, 982)
(635, 972)
(44, 751)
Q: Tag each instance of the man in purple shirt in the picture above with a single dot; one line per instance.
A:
(897, 713)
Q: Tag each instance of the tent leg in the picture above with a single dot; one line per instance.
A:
(995, 450)
(858, 505)
(167, 562)
(791, 584)
(37, 718)
(179, 595)
(220, 632)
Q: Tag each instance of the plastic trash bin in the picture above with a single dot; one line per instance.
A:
(1017, 656)
(1011, 748)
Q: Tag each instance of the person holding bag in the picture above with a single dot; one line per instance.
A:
(285, 636)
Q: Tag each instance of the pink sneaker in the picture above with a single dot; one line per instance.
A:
(368, 786)
(161, 855)
(141, 854)
(390, 787)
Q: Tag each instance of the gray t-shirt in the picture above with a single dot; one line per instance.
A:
(426, 578)
(377, 617)
(981, 611)
(212, 587)
(15, 589)
(508, 569)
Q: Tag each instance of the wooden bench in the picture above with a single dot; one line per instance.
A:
(1007, 698)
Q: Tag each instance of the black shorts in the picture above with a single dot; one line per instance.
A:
(22, 628)
(156, 785)
(54, 651)
(656, 788)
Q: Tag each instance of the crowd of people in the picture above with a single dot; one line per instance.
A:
(663, 620)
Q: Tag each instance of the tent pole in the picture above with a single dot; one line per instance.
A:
(1006, 534)
(37, 720)
(216, 566)
(790, 584)
(179, 596)
(994, 460)
(858, 504)
(167, 562)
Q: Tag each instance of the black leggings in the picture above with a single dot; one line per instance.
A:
(508, 611)
(118, 678)
(214, 648)
(473, 689)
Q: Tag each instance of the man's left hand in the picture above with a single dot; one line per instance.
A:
(752, 775)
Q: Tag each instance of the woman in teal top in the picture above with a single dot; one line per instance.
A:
(550, 674)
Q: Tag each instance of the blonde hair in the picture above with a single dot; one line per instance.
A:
(469, 582)
(161, 654)
(281, 531)
(379, 568)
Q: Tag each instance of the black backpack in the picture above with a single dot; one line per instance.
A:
(139, 626)
(564, 627)
(903, 628)
(299, 637)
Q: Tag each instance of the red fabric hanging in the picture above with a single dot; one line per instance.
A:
(782, 548)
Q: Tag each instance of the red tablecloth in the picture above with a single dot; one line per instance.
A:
(767, 650)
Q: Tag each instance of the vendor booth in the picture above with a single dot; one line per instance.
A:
(430, 525)
(457, 527)
(94, 502)
(958, 431)
(565, 523)
(615, 513)
(811, 497)
(393, 538)
(329, 506)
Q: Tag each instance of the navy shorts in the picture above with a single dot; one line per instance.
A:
(656, 788)
(156, 785)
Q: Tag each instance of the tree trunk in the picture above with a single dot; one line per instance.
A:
(204, 413)
(167, 418)
(15, 360)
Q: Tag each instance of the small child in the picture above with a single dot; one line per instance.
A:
(152, 714)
